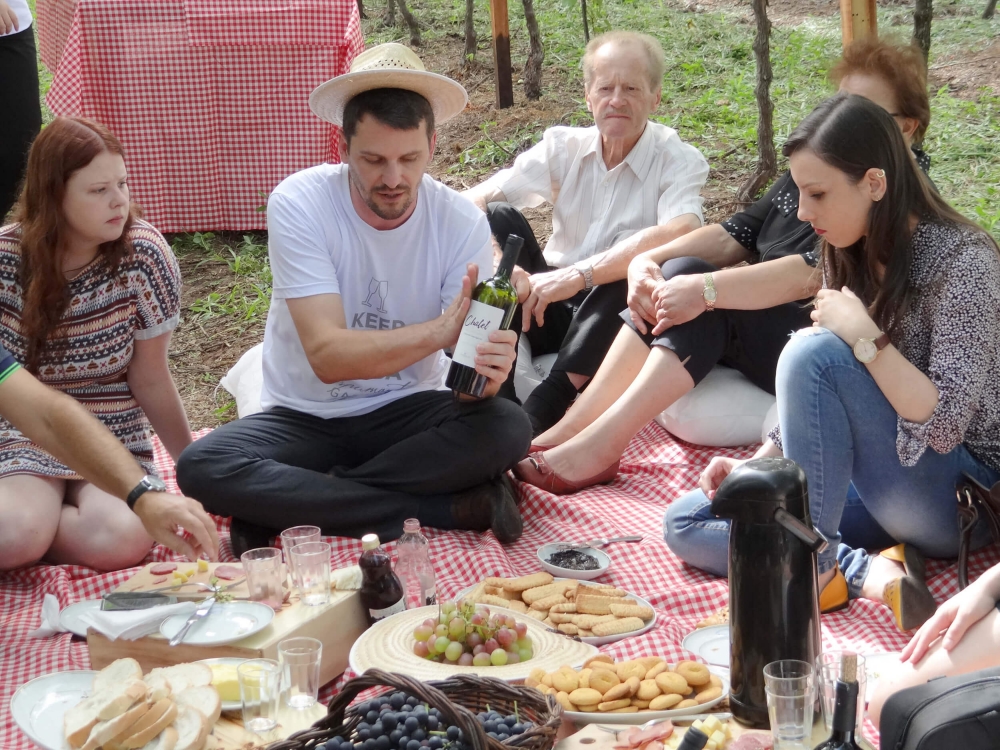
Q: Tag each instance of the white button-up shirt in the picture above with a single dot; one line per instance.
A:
(595, 207)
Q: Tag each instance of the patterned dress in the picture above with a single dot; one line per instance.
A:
(89, 356)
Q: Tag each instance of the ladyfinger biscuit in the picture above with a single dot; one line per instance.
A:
(539, 592)
(494, 601)
(598, 605)
(585, 633)
(568, 628)
(478, 591)
(527, 582)
(569, 608)
(617, 627)
(503, 593)
(606, 591)
(560, 617)
(612, 705)
(548, 601)
(536, 615)
(631, 610)
(589, 621)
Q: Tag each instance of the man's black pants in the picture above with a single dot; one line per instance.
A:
(20, 111)
(355, 475)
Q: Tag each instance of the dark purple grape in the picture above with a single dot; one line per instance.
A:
(389, 721)
(396, 700)
(453, 733)
(419, 735)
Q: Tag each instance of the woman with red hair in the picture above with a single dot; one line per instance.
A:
(89, 296)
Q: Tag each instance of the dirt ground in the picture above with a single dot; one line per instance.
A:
(202, 351)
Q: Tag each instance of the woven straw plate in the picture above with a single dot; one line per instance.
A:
(388, 645)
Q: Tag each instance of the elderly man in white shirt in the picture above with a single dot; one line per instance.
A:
(618, 188)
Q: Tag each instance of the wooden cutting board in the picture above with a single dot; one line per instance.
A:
(145, 580)
(229, 734)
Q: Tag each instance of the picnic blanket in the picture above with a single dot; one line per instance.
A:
(656, 469)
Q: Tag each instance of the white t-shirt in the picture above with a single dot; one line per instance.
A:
(386, 279)
(594, 208)
(23, 13)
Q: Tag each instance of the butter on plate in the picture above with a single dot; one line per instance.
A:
(225, 681)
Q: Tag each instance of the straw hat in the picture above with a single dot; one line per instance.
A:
(388, 66)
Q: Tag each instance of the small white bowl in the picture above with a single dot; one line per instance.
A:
(546, 550)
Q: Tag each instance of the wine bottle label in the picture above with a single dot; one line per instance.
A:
(430, 597)
(478, 323)
(381, 614)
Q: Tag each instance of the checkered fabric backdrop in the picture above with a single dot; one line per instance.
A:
(209, 97)
(656, 469)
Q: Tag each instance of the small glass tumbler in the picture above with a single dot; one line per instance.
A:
(264, 576)
(299, 535)
(300, 660)
(828, 671)
(311, 572)
(260, 689)
(791, 699)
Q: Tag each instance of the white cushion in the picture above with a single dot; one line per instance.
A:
(245, 380)
(723, 410)
(529, 372)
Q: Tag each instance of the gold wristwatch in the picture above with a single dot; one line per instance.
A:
(710, 294)
(867, 349)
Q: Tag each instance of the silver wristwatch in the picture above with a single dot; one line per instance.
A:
(588, 274)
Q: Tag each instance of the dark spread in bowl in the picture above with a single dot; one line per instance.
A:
(572, 559)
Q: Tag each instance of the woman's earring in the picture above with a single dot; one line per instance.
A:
(881, 173)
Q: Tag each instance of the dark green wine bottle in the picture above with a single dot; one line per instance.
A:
(493, 304)
(844, 718)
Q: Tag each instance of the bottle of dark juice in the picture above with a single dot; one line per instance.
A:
(381, 591)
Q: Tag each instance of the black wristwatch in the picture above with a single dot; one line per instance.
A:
(148, 483)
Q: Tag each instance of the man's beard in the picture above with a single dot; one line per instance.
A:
(369, 197)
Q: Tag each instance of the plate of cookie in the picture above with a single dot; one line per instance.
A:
(632, 692)
(596, 614)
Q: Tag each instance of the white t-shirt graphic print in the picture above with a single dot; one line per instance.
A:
(386, 279)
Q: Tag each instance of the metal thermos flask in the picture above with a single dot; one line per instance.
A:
(773, 590)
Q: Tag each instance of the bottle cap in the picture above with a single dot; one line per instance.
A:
(411, 525)
(694, 739)
(369, 541)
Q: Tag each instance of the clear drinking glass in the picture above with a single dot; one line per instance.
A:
(311, 571)
(791, 699)
(299, 535)
(300, 660)
(260, 688)
(828, 671)
(264, 575)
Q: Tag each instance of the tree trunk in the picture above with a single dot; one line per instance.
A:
(766, 158)
(991, 8)
(390, 13)
(533, 66)
(411, 23)
(586, 26)
(361, 9)
(922, 11)
(470, 32)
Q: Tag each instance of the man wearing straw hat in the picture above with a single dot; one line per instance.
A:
(373, 263)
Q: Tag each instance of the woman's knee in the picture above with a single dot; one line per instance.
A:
(24, 538)
(695, 535)
(118, 541)
(807, 353)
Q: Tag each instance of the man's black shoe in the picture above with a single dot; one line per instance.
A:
(244, 536)
(491, 505)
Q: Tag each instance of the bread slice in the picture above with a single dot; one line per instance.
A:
(103, 704)
(192, 729)
(117, 672)
(165, 740)
(165, 681)
(205, 700)
(151, 729)
(104, 731)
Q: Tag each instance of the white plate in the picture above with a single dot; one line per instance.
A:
(225, 623)
(877, 665)
(711, 644)
(579, 717)
(597, 640)
(69, 618)
(234, 661)
(546, 550)
(38, 706)
(388, 645)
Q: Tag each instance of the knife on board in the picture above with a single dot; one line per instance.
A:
(203, 609)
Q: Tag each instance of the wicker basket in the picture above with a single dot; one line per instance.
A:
(458, 699)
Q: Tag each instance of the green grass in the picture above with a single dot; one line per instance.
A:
(249, 296)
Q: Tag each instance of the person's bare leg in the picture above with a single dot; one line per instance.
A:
(661, 381)
(978, 649)
(98, 530)
(29, 517)
(622, 364)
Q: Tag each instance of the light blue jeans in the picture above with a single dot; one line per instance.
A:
(840, 428)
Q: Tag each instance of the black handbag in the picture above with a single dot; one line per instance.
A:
(947, 712)
(974, 502)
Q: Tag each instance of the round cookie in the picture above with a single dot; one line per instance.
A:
(633, 685)
(563, 699)
(648, 689)
(695, 673)
(671, 682)
(708, 694)
(621, 690)
(565, 680)
(689, 703)
(612, 705)
(631, 669)
(602, 680)
(586, 697)
(665, 702)
(656, 669)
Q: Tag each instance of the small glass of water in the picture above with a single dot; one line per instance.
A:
(791, 699)
(311, 571)
(300, 660)
(260, 689)
(264, 576)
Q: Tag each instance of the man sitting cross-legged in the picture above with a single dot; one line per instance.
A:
(617, 189)
(373, 264)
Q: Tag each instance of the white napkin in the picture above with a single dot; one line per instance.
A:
(50, 619)
(135, 623)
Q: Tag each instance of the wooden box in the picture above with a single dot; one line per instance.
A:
(337, 624)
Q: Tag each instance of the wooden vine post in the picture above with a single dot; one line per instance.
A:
(766, 157)
(500, 24)
(857, 20)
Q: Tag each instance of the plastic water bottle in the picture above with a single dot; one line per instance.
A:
(413, 566)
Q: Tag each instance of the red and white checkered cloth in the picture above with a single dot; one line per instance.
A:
(209, 97)
(656, 469)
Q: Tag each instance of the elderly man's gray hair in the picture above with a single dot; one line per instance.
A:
(654, 54)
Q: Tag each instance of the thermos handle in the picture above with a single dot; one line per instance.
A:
(809, 536)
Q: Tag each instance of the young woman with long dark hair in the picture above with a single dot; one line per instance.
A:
(89, 296)
(891, 396)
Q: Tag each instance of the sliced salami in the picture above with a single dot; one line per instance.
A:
(162, 569)
(228, 572)
(754, 741)
(158, 581)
